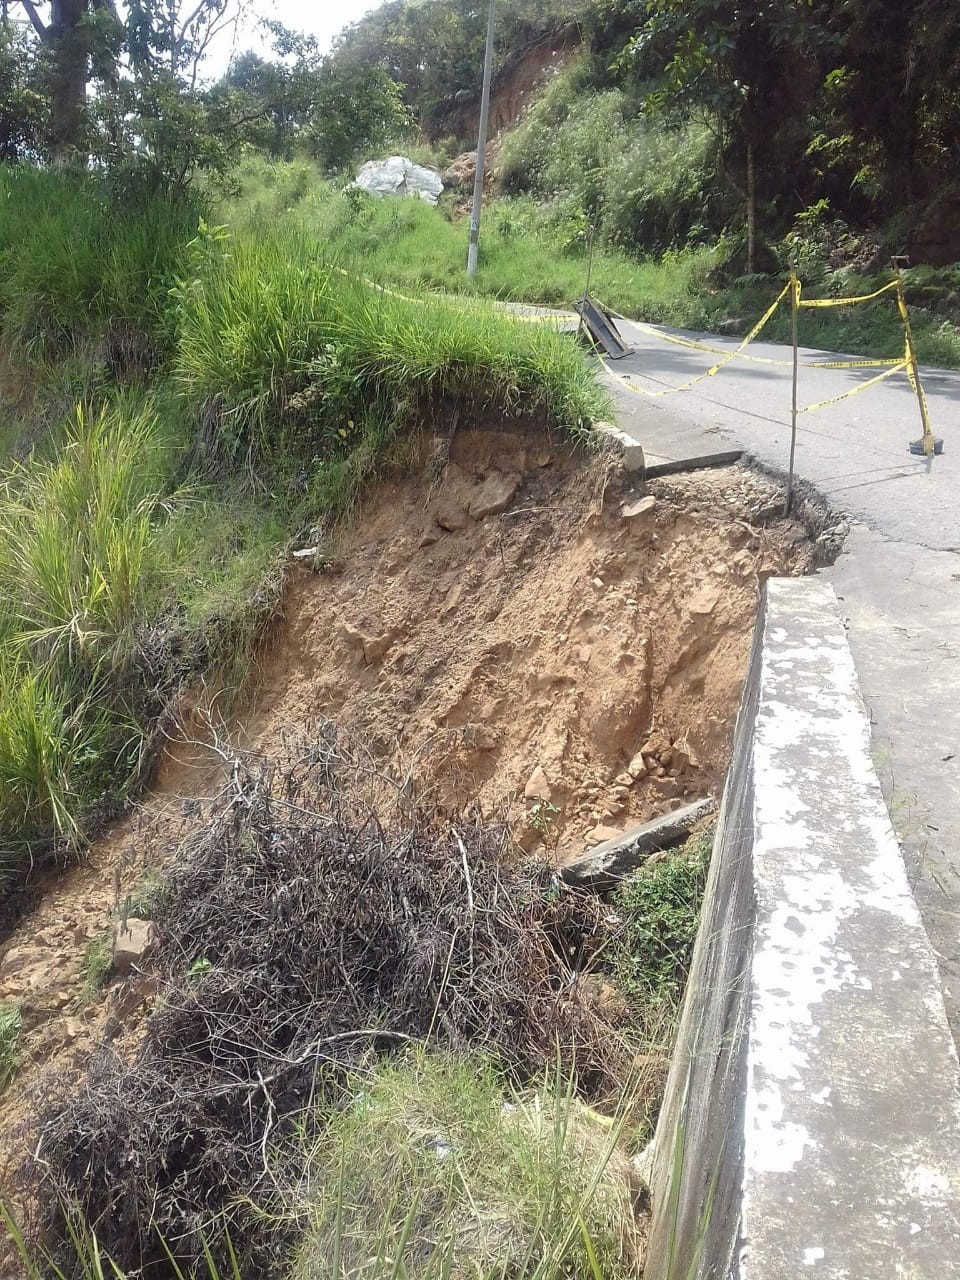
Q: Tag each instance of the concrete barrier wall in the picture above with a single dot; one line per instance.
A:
(811, 1126)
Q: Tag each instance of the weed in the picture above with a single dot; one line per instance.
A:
(541, 817)
(96, 964)
(10, 1030)
(660, 908)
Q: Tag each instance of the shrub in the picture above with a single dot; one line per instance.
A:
(660, 909)
(592, 158)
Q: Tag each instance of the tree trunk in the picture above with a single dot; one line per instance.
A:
(751, 210)
(69, 44)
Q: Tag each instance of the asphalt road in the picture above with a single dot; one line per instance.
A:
(855, 451)
(898, 578)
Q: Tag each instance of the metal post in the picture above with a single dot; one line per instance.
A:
(481, 148)
(927, 441)
(794, 308)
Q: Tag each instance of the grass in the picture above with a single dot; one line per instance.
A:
(439, 1169)
(534, 249)
(78, 266)
(76, 551)
(142, 529)
(272, 330)
(10, 1031)
(96, 964)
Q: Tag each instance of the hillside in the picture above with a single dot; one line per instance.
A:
(333, 630)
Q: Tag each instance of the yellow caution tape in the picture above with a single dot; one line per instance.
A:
(855, 391)
(728, 356)
(849, 302)
(783, 364)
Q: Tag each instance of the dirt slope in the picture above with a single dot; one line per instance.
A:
(557, 637)
(500, 630)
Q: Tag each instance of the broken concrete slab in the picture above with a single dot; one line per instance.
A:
(628, 450)
(605, 865)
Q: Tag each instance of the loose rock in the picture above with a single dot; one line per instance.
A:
(538, 786)
(131, 944)
(642, 507)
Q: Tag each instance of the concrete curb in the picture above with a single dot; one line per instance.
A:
(811, 1124)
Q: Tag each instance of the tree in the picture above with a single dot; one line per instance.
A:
(741, 66)
(23, 102)
(75, 34)
(176, 35)
(305, 100)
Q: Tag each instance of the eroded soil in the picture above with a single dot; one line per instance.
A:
(513, 628)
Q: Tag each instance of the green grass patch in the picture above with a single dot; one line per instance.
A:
(96, 964)
(11, 1026)
(76, 550)
(439, 1169)
(284, 351)
(660, 909)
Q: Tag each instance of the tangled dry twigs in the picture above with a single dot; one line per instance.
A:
(304, 935)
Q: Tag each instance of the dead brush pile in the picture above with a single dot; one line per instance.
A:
(315, 926)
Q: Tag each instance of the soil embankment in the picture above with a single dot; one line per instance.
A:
(511, 627)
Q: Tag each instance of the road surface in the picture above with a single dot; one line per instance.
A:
(898, 577)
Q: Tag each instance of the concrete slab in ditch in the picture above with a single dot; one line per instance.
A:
(811, 1126)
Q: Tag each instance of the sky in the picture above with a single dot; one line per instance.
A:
(320, 18)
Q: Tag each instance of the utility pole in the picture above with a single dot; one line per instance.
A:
(794, 312)
(481, 147)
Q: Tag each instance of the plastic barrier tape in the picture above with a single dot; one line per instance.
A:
(728, 356)
(849, 302)
(855, 391)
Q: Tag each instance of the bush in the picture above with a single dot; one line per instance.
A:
(591, 158)
(660, 909)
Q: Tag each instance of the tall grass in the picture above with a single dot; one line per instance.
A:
(440, 1169)
(76, 557)
(534, 248)
(75, 536)
(77, 265)
(271, 330)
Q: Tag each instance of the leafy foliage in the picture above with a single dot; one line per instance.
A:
(304, 101)
(434, 50)
(660, 908)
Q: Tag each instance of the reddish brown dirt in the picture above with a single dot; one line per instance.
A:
(504, 628)
(556, 636)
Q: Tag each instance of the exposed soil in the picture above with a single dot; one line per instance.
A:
(501, 630)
